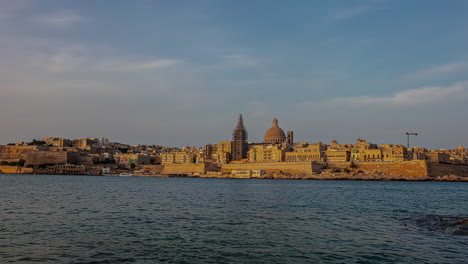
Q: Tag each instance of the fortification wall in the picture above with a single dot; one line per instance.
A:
(45, 157)
(15, 170)
(415, 168)
(339, 165)
(152, 168)
(15, 153)
(285, 167)
(435, 169)
(184, 168)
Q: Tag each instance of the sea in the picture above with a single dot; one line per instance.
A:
(105, 219)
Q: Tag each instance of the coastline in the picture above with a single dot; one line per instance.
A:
(327, 176)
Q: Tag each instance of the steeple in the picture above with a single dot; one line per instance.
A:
(239, 140)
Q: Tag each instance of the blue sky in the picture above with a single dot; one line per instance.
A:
(179, 72)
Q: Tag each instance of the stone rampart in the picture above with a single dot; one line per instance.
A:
(152, 168)
(15, 153)
(15, 170)
(184, 168)
(415, 168)
(339, 165)
(271, 167)
(45, 157)
(435, 169)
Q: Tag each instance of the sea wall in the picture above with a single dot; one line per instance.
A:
(435, 169)
(414, 168)
(190, 168)
(15, 170)
(152, 168)
(284, 167)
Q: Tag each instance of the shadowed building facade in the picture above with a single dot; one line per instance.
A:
(239, 141)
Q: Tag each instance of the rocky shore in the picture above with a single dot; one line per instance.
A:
(366, 176)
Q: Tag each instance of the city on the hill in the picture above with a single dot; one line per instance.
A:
(278, 156)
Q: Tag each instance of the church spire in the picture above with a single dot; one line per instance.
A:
(240, 123)
(239, 140)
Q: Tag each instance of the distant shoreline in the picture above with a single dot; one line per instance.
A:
(326, 177)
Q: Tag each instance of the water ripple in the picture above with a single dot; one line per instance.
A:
(65, 219)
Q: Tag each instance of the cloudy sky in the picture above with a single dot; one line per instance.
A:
(179, 72)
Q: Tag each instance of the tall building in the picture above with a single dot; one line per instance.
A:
(239, 141)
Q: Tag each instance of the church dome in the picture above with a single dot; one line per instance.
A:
(275, 134)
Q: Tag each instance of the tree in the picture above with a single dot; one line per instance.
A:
(37, 143)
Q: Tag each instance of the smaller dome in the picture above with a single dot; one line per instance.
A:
(275, 134)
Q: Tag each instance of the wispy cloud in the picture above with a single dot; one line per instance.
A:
(351, 12)
(126, 66)
(61, 19)
(76, 59)
(438, 71)
(412, 97)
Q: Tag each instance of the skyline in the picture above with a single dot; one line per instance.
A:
(179, 73)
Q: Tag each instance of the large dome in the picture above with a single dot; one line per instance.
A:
(275, 134)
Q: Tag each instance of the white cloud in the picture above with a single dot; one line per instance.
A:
(438, 71)
(61, 19)
(412, 97)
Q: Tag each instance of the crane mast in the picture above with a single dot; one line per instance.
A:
(407, 137)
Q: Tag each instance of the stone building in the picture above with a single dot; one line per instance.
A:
(394, 152)
(69, 169)
(82, 143)
(335, 155)
(178, 157)
(306, 152)
(266, 153)
(221, 152)
(57, 142)
(128, 159)
(365, 151)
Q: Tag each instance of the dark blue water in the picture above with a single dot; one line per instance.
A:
(79, 219)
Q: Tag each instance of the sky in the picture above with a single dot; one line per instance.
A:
(178, 73)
